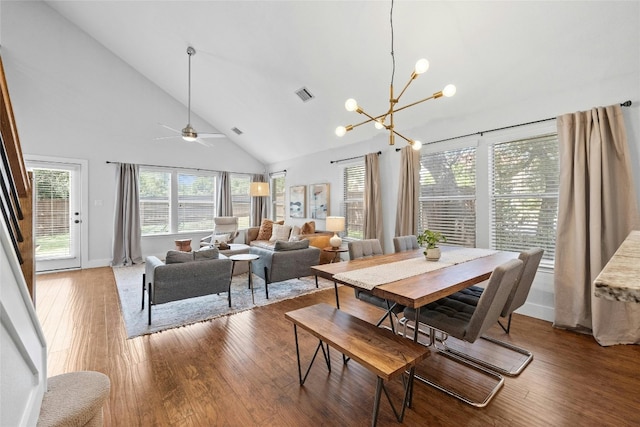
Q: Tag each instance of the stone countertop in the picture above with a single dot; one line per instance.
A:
(620, 278)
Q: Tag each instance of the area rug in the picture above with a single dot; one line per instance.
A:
(193, 310)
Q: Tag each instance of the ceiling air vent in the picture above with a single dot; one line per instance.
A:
(304, 94)
(237, 131)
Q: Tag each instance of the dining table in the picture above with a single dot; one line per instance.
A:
(401, 277)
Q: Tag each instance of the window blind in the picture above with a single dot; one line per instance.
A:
(277, 197)
(240, 199)
(353, 193)
(524, 194)
(196, 202)
(154, 190)
(448, 195)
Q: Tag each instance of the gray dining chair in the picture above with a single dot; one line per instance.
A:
(468, 322)
(363, 249)
(531, 260)
(405, 243)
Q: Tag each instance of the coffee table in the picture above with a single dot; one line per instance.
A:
(248, 258)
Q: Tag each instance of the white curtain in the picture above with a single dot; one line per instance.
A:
(225, 207)
(372, 198)
(408, 192)
(597, 210)
(126, 229)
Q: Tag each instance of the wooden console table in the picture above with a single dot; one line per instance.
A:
(619, 280)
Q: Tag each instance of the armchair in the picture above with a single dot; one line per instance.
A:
(223, 225)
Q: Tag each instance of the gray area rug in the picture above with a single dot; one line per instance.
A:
(185, 312)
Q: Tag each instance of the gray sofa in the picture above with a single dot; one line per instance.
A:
(186, 275)
(285, 260)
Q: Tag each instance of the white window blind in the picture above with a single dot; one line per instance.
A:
(354, 201)
(154, 191)
(196, 202)
(524, 194)
(448, 195)
(240, 199)
(277, 197)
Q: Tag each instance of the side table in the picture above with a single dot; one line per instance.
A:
(336, 253)
(248, 258)
(183, 245)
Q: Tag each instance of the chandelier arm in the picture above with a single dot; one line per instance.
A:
(434, 96)
(403, 137)
(413, 77)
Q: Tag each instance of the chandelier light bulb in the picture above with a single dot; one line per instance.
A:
(341, 131)
(449, 91)
(351, 104)
(378, 124)
(421, 66)
(416, 145)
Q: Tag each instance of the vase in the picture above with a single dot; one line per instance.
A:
(433, 254)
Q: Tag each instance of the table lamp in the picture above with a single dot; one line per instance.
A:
(335, 224)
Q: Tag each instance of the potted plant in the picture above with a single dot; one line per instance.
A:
(430, 239)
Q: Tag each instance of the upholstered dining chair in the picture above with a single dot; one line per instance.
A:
(467, 322)
(222, 225)
(366, 248)
(531, 260)
(405, 243)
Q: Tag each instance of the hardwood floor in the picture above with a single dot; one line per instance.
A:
(241, 369)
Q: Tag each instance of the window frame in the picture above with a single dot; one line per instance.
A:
(346, 201)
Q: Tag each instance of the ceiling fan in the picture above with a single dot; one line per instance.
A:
(189, 134)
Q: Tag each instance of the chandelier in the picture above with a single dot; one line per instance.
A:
(386, 120)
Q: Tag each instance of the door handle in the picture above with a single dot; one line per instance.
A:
(77, 221)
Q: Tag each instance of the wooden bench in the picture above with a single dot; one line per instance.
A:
(379, 350)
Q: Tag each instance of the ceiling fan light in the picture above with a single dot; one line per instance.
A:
(189, 138)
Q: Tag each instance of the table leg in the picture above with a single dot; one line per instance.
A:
(253, 301)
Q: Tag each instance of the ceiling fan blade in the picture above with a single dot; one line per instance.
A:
(211, 135)
(170, 128)
(167, 137)
(205, 143)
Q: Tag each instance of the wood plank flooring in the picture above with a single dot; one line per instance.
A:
(240, 370)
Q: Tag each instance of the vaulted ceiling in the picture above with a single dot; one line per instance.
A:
(252, 56)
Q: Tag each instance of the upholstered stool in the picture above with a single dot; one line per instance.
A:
(74, 399)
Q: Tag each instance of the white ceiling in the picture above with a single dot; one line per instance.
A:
(253, 56)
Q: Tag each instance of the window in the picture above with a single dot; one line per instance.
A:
(499, 192)
(176, 202)
(524, 194)
(196, 202)
(277, 197)
(354, 201)
(240, 199)
(154, 190)
(448, 195)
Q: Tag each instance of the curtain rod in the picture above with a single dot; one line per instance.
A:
(351, 158)
(284, 171)
(181, 167)
(481, 133)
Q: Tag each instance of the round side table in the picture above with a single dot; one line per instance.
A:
(248, 258)
(336, 253)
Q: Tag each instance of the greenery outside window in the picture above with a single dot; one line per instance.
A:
(196, 202)
(240, 199)
(448, 195)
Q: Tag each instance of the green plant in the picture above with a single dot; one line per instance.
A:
(431, 239)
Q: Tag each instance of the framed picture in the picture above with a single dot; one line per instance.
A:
(297, 198)
(319, 201)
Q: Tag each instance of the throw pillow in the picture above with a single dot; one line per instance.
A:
(308, 228)
(280, 232)
(175, 257)
(266, 229)
(206, 253)
(290, 246)
(295, 232)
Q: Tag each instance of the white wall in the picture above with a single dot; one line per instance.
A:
(73, 99)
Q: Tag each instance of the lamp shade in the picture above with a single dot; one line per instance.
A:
(259, 189)
(335, 223)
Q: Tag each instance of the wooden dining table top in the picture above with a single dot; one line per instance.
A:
(417, 291)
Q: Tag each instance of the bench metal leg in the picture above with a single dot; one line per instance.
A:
(406, 400)
(320, 346)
